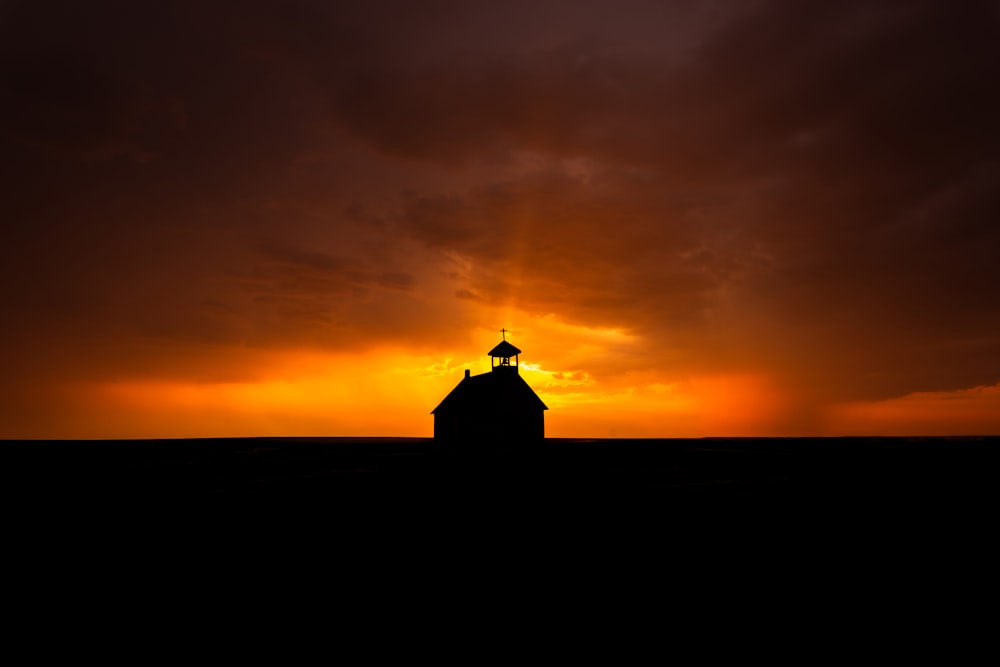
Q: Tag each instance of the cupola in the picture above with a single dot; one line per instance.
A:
(501, 354)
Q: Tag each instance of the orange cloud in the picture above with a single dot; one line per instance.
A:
(389, 391)
(974, 411)
(304, 393)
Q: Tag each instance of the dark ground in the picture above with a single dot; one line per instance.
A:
(289, 474)
(866, 523)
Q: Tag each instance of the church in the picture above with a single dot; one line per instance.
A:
(498, 406)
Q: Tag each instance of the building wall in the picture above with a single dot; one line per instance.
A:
(473, 428)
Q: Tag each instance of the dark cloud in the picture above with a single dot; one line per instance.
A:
(596, 251)
(807, 190)
(837, 170)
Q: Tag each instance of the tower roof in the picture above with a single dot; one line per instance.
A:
(504, 350)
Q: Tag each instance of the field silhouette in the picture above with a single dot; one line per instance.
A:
(286, 474)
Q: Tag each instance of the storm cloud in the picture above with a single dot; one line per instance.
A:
(809, 191)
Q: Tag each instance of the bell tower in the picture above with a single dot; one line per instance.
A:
(501, 354)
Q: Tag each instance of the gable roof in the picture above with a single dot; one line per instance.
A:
(496, 390)
(504, 349)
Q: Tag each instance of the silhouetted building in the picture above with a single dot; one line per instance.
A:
(498, 406)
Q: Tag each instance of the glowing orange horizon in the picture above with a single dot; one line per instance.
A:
(390, 392)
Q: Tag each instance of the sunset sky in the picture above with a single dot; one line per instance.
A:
(307, 217)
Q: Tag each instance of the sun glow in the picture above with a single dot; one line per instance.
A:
(391, 391)
(584, 375)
